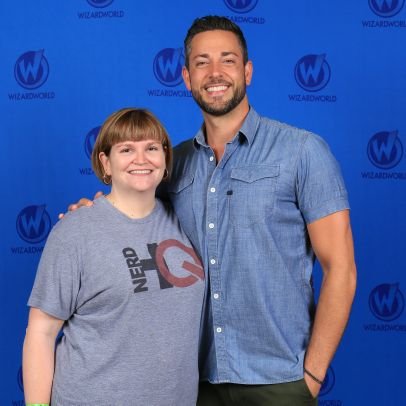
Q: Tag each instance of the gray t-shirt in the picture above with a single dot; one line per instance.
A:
(131, 293)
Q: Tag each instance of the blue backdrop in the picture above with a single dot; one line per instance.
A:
(337, 68)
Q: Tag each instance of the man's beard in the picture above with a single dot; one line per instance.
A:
(220, 110)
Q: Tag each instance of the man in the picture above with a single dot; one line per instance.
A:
(259, 200)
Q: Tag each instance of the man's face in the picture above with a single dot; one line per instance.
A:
(217, 76)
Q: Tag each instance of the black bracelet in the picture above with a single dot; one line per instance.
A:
(312, 376)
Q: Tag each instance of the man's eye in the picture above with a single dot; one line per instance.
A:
(201, 63)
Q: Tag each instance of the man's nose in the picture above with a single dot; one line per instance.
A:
(215, 69)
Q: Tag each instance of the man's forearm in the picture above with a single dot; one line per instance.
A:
(333, 310)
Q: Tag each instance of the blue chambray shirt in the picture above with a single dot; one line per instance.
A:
(247, 216)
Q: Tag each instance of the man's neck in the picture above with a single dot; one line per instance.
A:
(222, 129)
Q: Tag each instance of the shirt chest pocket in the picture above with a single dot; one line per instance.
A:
(251, 196)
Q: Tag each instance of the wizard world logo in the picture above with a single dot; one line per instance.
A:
(31, 69)
(241, 6)
(312, 72)
(385, 149)
(33, 224)
(386, 8)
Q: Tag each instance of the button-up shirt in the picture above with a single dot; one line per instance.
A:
(247, 216)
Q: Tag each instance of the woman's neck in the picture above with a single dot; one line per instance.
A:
(133, 205)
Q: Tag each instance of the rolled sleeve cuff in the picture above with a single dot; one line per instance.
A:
(325, 209)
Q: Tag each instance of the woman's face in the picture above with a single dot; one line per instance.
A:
(135, 165)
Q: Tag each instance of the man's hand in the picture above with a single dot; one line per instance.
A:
(313, 386)
(82, 202)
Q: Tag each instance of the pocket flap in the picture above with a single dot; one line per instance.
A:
(181, 184)
(255, 172)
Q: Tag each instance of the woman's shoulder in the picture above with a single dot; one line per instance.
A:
(75, 221)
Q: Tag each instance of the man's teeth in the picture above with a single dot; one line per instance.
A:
(141, 171)
(216, 88)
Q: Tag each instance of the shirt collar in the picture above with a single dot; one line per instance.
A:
(250, 125)
(248, 129)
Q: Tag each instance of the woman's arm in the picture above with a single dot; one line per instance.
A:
(39, 356)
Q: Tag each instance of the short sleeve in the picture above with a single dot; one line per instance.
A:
(57, 281)
(320, 186)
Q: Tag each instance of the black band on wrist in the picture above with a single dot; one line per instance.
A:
(315, 379)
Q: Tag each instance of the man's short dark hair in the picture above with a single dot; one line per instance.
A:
(211, 23)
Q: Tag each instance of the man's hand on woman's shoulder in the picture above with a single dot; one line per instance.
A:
(82, 202)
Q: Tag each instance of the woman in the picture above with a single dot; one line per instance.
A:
(122, 282)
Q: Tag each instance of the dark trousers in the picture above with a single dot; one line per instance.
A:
(282, 394)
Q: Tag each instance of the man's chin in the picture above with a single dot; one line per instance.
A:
(217, 112)
(219, 107)
(215, 109)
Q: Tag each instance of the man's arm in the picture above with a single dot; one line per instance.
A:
(38, 356)
(331, 239)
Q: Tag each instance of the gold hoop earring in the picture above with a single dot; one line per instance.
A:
(166, 174)
(106, 179)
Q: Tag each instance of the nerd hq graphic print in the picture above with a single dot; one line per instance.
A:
(312, 73)
(167, 68)
(31, 71)
(175, 264)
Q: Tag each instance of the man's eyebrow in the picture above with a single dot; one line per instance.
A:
(227, 53)
(201, 56)
(224, 53)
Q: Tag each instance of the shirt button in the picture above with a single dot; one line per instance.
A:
(212, 189)
(211, 225)
(211, 158)
(216, 295)
(212, 261)
(219, 330)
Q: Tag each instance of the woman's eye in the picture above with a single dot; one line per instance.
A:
(125, 150)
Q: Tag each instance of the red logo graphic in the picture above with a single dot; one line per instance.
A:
(195, 268)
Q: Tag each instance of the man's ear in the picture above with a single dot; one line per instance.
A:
(248, 71)
(186, 77)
